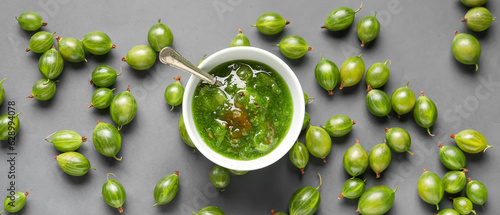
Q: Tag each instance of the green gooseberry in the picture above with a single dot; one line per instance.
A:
(306, 200)
(104, 76)
(425, 112)
(160, 36)
(327, 74)
(378, 102)
(73, 163)
(376, 200)
(451, 157)
(97, 43)
(471, 141)
(184, 135)
(339, 125)
(270, 23)
(239, 40)
(454, 181)
(2, 91)
(219, 176)
(307, 99)
(210, 210)
(299, 156)
(473, 3)
(448, 212)
(30, 21)
(476, 191)
(15, 202)
(318, 142)
(41, 42)
(43, 90)
(403, 100)
(114, 193)
(430, 188)
(294, 47)
(353, 188)
(398, 139)
(140, 57)
(351, 71)
(478, 19)
(378, 74)
(273, 212)
(236, 172)
(123, 108)
(463, 205)
(107, 140)
(307, 120)
(51, 64)
(71, 49)
(174, 93)
(355, 160)
(66, 140)
(102, 98)
(9, 126)
(379, 158)
(166, 189)
(368, 29)
(466, 49)
(340, 18)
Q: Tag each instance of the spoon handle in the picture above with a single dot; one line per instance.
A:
(171, 57)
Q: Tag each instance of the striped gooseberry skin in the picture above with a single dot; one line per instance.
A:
(166, 189)
(73, 163)
(113, 193)
(305, 201)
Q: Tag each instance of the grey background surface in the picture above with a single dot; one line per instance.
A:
(415, 35)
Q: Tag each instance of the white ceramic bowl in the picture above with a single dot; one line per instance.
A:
(259, 55)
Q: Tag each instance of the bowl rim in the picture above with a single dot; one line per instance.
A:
(261, 56)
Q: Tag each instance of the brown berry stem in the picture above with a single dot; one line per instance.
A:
(341, 87)
(45, 23)
(30, 96)
(456, 33)
(425, 170)
(176, 172)
(178, 78)
(287, 22)
(323, 26)
(239, 31)
(120, 209)
(357, 142)
(464, 20)
(310, 48)
(377, 175)
(363, 43)
(128, 89)
(58, 38)
(330, 92)
(124, 59)
(302, 171)
(113, 46)
(91, 105)
(26, 193)
(27, 50)
(440, 145)
(92, 82)
(84, 139)
(341, 196)
(452, 136)
(386, 129)
(368, 88)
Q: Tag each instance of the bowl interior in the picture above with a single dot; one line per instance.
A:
(265, 57)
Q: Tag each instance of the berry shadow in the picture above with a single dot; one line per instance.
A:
(469, 70)
(75, 66)
(138, 74)
(483, 35)
(26, 34)
(369, 45)
(338, 34)
(79, 180)
(344, 139)
(293, 169)
(424, 206)
(296, 62)
(351, 89)
(99, 112)
(102, 58)
(272, 38)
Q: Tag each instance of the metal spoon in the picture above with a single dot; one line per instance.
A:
(171, 57)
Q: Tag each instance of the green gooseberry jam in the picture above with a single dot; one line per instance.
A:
(249, 115)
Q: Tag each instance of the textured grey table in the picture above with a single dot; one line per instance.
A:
(415, 35)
